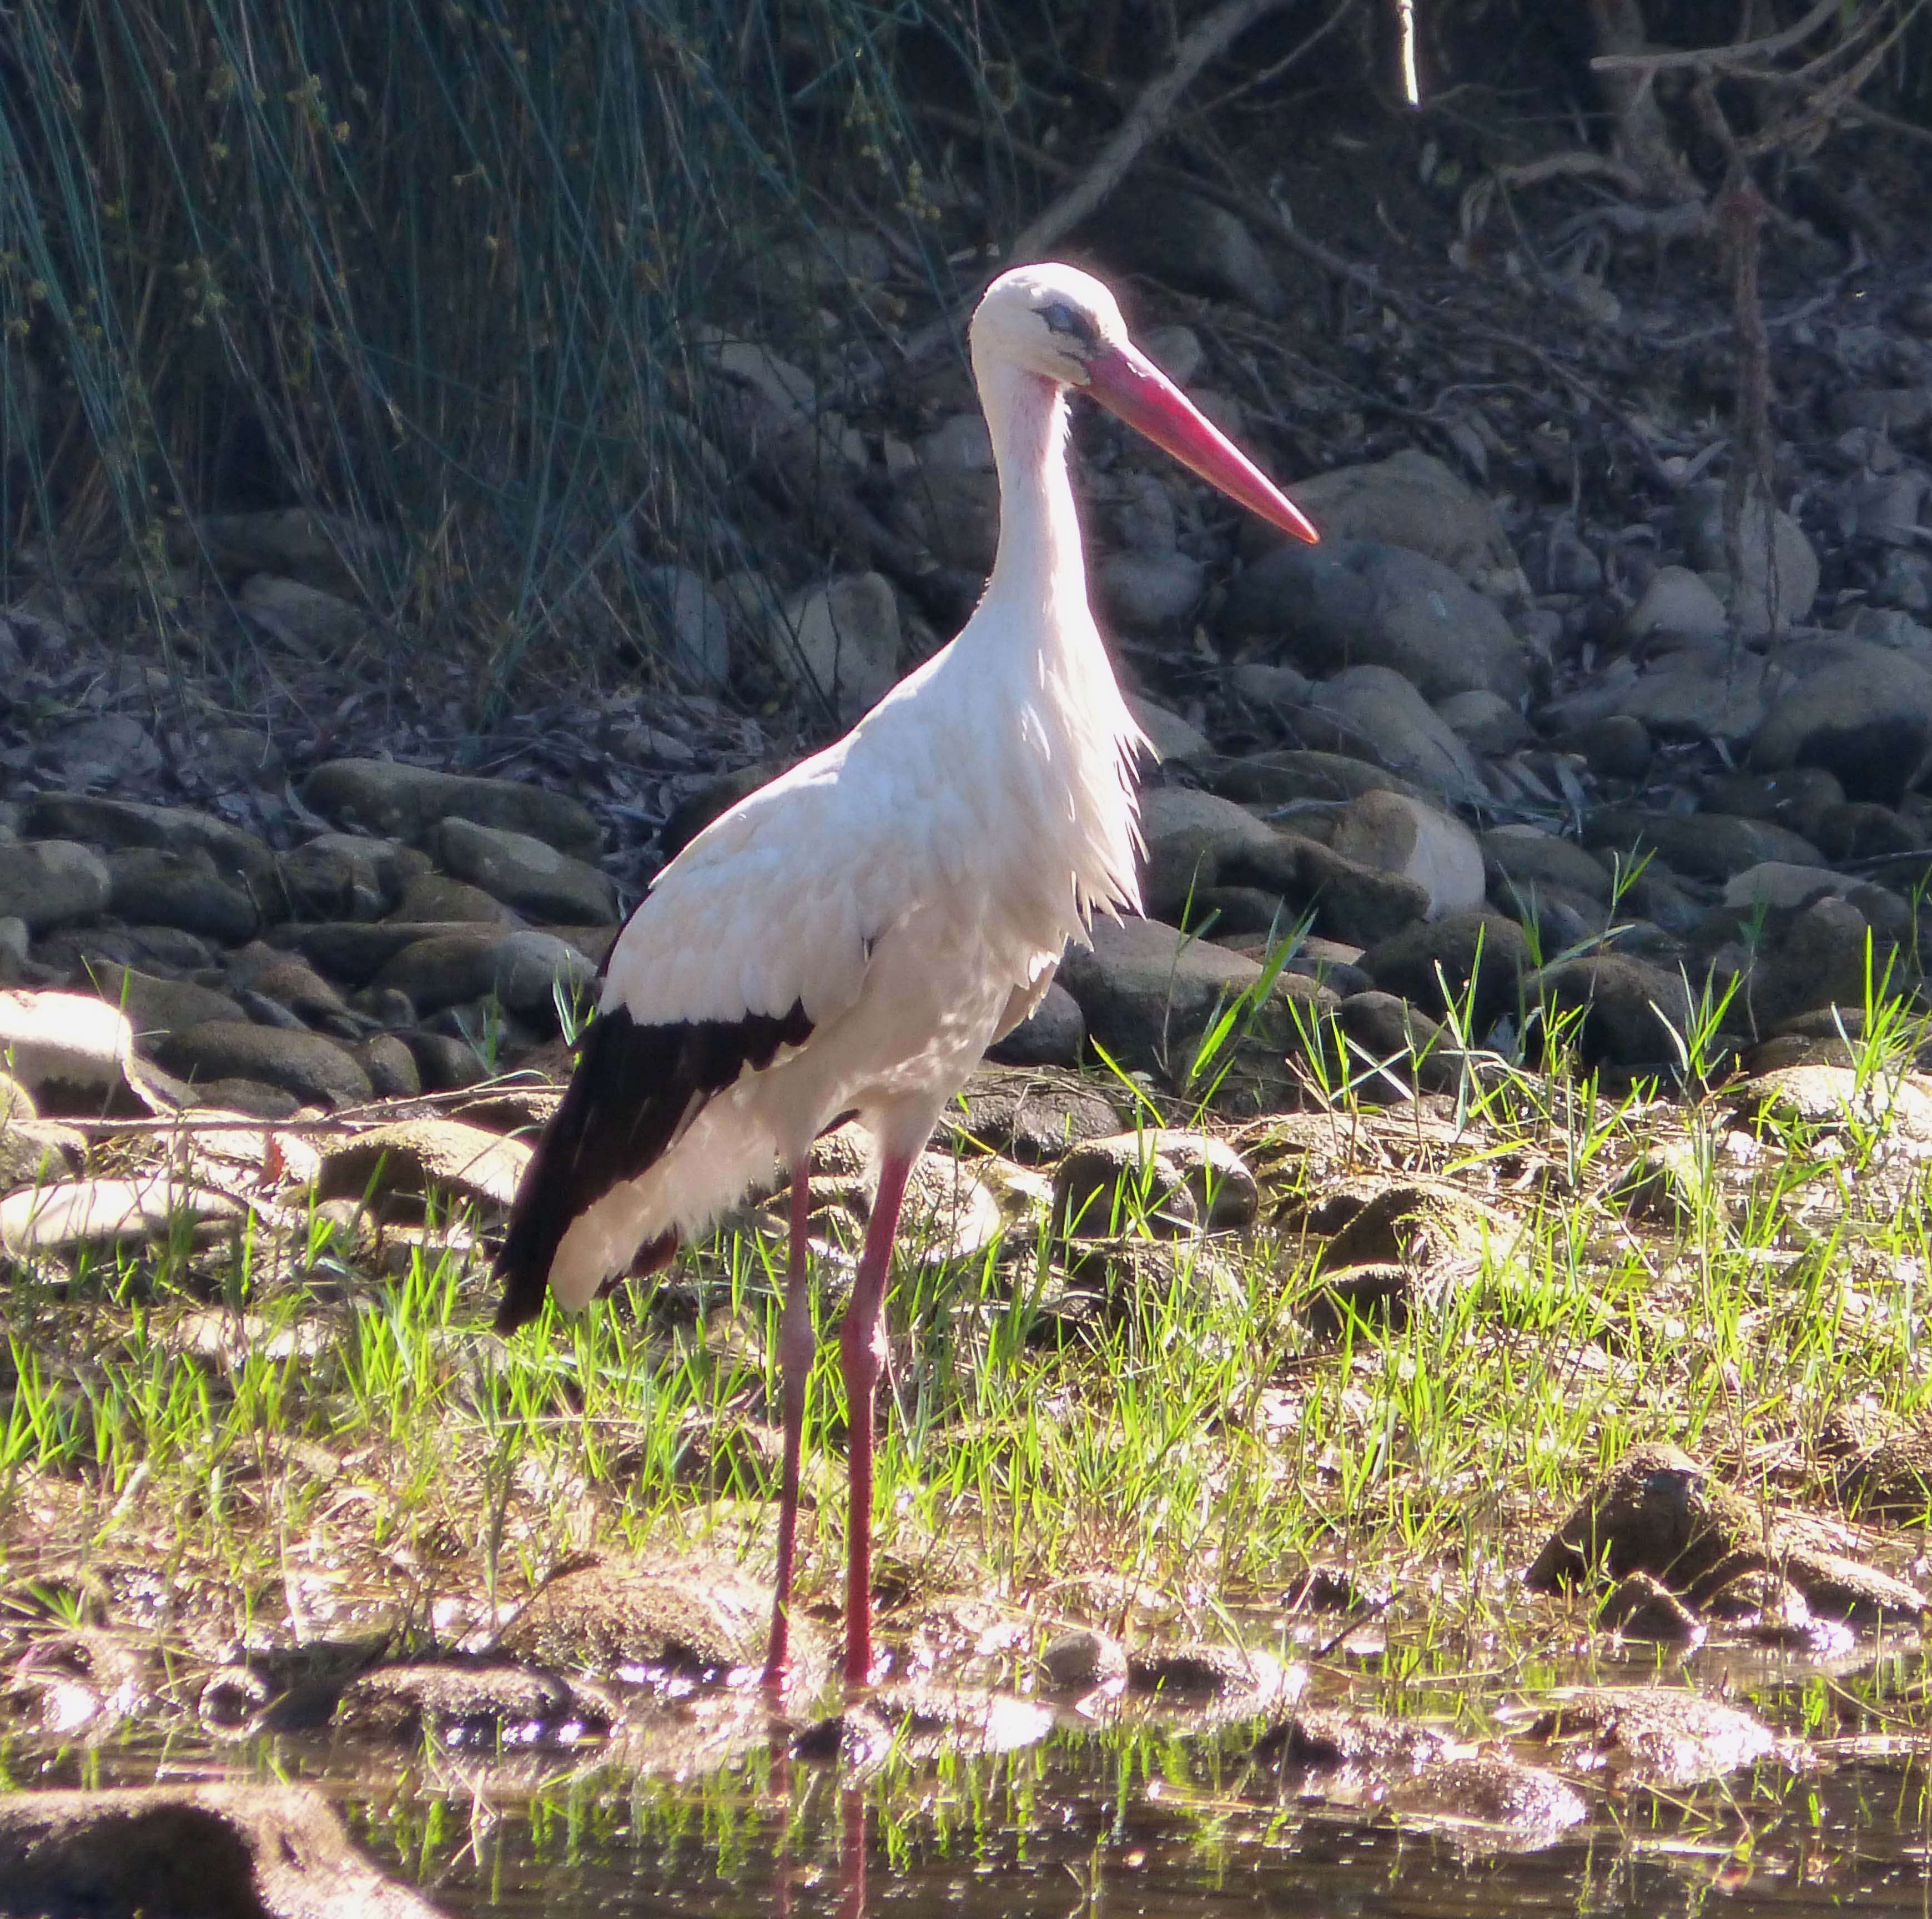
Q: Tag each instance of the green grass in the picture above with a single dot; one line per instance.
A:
(374, 1449)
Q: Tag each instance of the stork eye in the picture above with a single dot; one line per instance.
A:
(1061, 318)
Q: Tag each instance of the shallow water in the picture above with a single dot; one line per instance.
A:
(1151, 1819)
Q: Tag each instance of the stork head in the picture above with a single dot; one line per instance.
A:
(1060, 324)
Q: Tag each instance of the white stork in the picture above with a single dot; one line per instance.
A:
(850, 939)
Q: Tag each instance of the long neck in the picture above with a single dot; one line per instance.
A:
(1040, 566)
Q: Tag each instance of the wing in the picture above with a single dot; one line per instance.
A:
(635, 1090)
(759, 931)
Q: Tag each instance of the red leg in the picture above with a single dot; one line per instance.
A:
(795, 1357)
(861, 1351)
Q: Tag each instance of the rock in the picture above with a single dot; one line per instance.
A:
(1776, 883)
(1410, 501)
(961, 444)
(307, 619)
(1706, 845)
(1480, 959)
(1677, 601)
(1679, 695)
(323, 550)
(1177, 351)
(1373, 711)
(48, 882)
(1357, 602)
(1192, 840)
(1327, 1739)
(33, 1152)
(1149, 593)
(1657, 1512)
(697, 622)
(1484, 722)
(1638, 1608)
(1837, 1587)
(845, 642)
(1863, 712)
(696, 1616)
(192, 1851)
(1052, 1034)
(1177, 1182)
(446, 1065)
(1528, 857)
(100, 752)
(1194, 243)
(1617, 746)
(526, 873)
(157, 1006)
(1174, 739)
(1895, 412)
(1397, 1047)
(180, 889)
(1489, 1802)
(497, 1707)
(1780, 578)
(314, 1069)
(419, 1162)
(1196, 1675)
(1080, 1660)
(1149, 995)
(1031, 1116)
(524, 970)
(1797, 798)
(289, 982)
(391, 1066)
(354, 954)
(1400, 1248)
(239, 857)
(1821, 962)
(345, 876)
(1398, 835)
(73, 1054)
(1890, 1478)
(95, 1212)
(14, 941)
(1666, 1737)
(1280, 779)
(381, 797)
(1614, 1010)
(956, 515)
(435, 899)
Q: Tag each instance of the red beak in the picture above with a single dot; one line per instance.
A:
(1132, 388)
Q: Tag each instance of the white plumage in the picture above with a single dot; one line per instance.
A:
(851, 938)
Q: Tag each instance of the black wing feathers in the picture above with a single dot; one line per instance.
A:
(635, 1090)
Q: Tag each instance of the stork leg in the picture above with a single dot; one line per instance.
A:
(795, 1356)
(861, 1353)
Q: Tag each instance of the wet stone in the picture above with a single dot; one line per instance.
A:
(1660, 1735)
(695, 1617)
(239, 1852)
(1203, 1673)
(1080, 1659)
(1322, 1739)
(1657, 1512)
(1332, 1589)
(1638, 1607)
(1522, 1807)
(472, 1704)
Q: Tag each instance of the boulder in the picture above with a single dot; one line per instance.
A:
(381, 798)
(1410, 501)
(1178, 1181)
(1704, 846)
(197, 1851)
(309, 620)
(182, 889)
(1192, 243)
(1862, 712)
(696, 621)
(315, 1069)
(1374, 712)
(526, 873)
(1051, 1035)
(1475, 959)
(1677, 601)
(845, 642)
(521, 968)
(239, 856)
(47, 882)
(1358, 603)
(1614, 1010)
(1528, 857)
(1398, 835)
